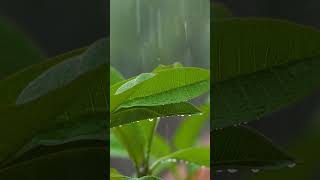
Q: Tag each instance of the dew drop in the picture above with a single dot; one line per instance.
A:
(255, 170)
(292, 165)
(232, 170)
(150, 120)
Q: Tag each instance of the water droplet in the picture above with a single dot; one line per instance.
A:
(232, 170)
(150, 120)
(255, 170)
(292, 165)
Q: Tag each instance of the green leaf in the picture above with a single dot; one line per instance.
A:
(11, 87)
(116, 148)
(133, 139)
(17, 49)
(188, 131)
(84, 94)
(195, 155)
(63, 73)
(162, 67)
(130, 115)
(134, 82)
(243, 148)
(261, 66)
(160, 147)
(166, 87)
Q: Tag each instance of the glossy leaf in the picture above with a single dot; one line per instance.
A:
(261, 66)
(243, 148)
(166, 87)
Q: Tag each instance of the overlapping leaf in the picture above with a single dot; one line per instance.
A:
(243, 148)
(261, 66)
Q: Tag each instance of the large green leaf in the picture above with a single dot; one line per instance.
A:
(196, 155)
(31, 118)
(130, 115)
(63, 73)
(243, 148)
(166, 87)
(188, 132)
(260, 66)
(12, 86)
(17, 49)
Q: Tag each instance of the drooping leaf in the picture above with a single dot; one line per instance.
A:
(17, 49)
(261, 66)
(195, 155)
(166, 87)
(130, 115)
(188, 131)
(65, 72)
(243, 148)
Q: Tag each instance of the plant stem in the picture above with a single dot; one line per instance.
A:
(151, 135)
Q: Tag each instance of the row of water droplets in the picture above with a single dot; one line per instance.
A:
(254, 170)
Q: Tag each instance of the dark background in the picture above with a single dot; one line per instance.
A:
(60, 25)
(285, 126)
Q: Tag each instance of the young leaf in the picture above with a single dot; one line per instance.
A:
(243, 148)
(166, 87)
(130, 115)
(188, 132)
(261, 66)
(196, 155)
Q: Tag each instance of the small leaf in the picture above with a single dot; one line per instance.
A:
(195, 155)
